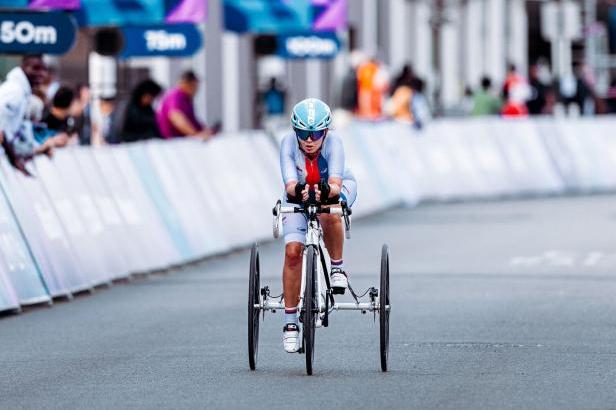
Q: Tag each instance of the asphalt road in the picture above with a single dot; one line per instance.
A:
(495, 305)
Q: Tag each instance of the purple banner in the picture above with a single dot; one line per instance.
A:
(54, 4)
(329, 14)
(185, 11)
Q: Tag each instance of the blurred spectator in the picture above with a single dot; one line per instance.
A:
(106, 128)
(139, 116)
(50, 83)
(59, 123)
(405, 77)
(420, 109)
(176, 114)
(399, 106)
(16, 133)
(611, 97)
(82, 113)
(484, 100)
(274, 98)
(467, 101)
(537, 99)
(372, 79)
(512, 79)
(349, 93)
(37, 104)
(516, 93)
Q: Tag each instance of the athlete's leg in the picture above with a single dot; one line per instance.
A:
(294, 227)
(292, 274)
(294, 235)
(333, 235)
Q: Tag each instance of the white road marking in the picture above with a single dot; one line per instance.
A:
(559, 258)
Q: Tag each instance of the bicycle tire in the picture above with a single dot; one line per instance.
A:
(310, 307)
(384, 302)
(253, 313)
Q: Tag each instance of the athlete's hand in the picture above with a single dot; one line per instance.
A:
(305, 193)
(317, 192)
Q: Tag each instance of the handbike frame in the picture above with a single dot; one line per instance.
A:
(314, 238)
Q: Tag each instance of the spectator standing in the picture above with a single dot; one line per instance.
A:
(537, 99)
(372, 82)
(420, 109)
(611, 97)
(274, 98)
(348, 94)
(139, 116)
(176, 114)
(399, 106)
(105, 121)
(82, 113)
(60, 124)
(484, 100)
(16, 134)
(405, 77)
(516, 93)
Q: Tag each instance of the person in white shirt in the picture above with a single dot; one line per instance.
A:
(16, 136)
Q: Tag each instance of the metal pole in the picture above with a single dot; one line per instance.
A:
(590, 17)
(436, 25)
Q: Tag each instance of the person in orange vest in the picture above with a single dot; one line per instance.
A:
(372, 83)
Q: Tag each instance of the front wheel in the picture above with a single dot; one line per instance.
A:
(384, 307)
(253, 312)
(310, 307)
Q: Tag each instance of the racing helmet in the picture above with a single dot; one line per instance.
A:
(311, 114)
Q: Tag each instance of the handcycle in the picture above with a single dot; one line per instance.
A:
(317, 300)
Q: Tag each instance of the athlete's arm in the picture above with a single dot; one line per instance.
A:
(288, 170)
(335, 164)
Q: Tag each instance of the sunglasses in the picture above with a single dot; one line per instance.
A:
(313, 135)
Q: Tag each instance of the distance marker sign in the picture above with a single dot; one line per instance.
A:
(36, 32)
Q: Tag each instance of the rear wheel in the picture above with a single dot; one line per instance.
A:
(310, 307)
(384, 307)
(254, 284)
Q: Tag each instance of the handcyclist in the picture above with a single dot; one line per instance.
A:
(312, 159)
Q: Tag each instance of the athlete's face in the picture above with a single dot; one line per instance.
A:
(310, 146)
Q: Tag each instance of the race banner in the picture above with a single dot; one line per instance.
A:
(281, 16)
(41, 4)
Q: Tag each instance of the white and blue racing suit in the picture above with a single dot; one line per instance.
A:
(295, 166)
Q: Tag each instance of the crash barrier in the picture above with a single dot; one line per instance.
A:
(90, 216)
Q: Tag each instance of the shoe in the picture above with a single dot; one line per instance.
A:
(338, 281)
(290, 338)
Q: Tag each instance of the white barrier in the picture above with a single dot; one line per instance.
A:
(90, 216)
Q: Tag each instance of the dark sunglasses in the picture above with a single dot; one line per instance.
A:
(313, 135)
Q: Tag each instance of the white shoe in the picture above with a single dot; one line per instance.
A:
(290, 338)
(338, 281)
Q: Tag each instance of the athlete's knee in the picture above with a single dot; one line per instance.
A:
(330, 221)
(293, 253)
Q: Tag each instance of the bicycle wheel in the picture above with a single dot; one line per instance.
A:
(253, 312)
(383, 307)
(310, 306)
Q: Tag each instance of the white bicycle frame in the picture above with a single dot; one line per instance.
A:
(314, 237)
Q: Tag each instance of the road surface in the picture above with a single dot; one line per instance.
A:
(495, 305)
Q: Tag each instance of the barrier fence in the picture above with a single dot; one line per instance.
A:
(93, 215)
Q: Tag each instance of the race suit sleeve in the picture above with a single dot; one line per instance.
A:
(287, 161)
(336, 158)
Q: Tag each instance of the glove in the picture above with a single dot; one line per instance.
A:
(298, 190)
(325, 190)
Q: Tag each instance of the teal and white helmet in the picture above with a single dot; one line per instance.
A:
(311, 114)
